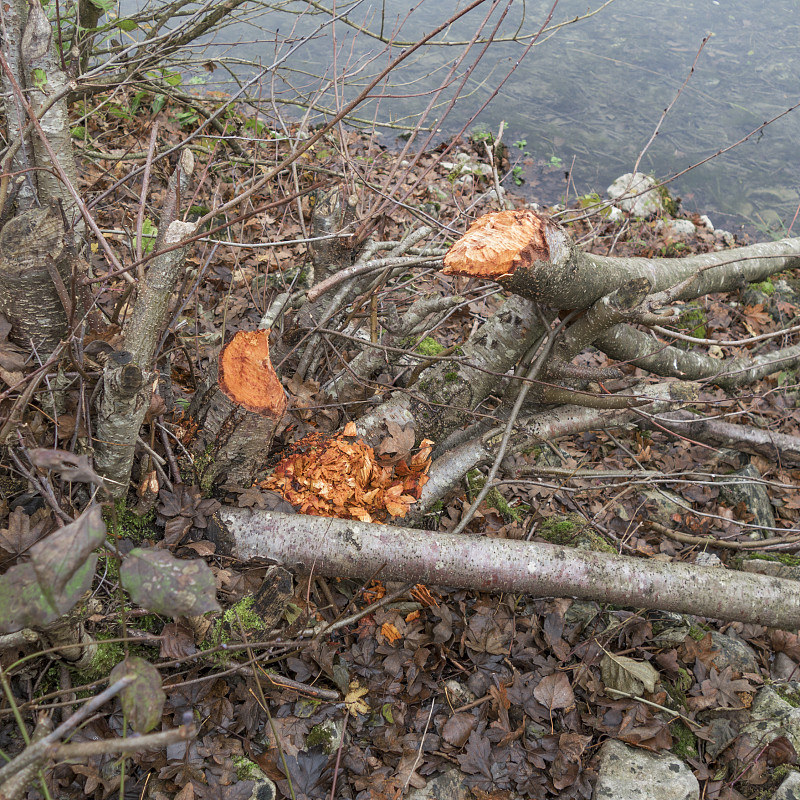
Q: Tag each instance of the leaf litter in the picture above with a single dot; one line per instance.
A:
(516, 692)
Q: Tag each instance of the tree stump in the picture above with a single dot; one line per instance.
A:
(237, 410)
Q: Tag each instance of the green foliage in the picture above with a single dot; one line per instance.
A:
(161, 583)
(480, 134)
(516, 175)
(60, 571)
(143, 699)
(149, 233)
(39, 77)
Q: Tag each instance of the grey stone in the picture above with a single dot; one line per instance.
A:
(772, 717)
(676, 227)
(662, 504)
(746, 486)
(789, 789)
(632, 774)
(446, 786)
(733, 653)
(636, 194)
(707, 560)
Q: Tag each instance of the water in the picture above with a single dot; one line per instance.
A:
(587, 99)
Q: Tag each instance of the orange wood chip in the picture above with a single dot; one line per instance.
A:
(497, 244)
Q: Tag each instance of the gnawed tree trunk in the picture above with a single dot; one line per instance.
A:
(36, 262)
(236, 411)
(19, 159)
(130, 376)
(47, 86)
(530, 255)
(345, 548)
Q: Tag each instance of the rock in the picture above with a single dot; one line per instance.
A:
(789, 789)
(733, 653)
(662, 504)
(772, 717)
(626, 772)
(746, 486)
(725, 238)
(676, 227)
(264, 789)
(706, 222)
(775, 569)
(449, 785)
(647, 202)
(459, 694)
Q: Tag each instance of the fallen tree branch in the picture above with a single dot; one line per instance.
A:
(344, 548)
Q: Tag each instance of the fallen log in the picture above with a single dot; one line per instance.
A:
(344, 548)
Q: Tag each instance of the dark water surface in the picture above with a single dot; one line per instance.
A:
(589, 97)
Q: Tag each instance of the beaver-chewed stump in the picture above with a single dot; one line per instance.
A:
(236, 411)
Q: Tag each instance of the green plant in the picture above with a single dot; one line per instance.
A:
(516, 175)
(556, 162)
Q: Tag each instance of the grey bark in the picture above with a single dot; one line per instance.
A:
(573, 278)
(35, 249)
(40, 59)
(127, 390)
(231, 442)
(149, 316)
(343, 548)
(14, 15)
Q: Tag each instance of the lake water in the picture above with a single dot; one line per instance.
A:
(588, 98)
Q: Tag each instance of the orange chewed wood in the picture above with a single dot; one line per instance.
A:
(246, 375)
(496, 244)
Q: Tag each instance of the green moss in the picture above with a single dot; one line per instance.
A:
(684, 742)
(107, 656)
(697, 633)
(766, 287)
(786, 559)
(559, 530)
(429, 347)
(572, 531)
(247, 770)
(228, 626)
(788, 694)
(499, 503)
(450, 377)
(326, 734)
(124, 523)
(693, 321)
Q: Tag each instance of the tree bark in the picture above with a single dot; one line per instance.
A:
(36, 260)
(45, 79)
(236, 412)
(344, 548)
